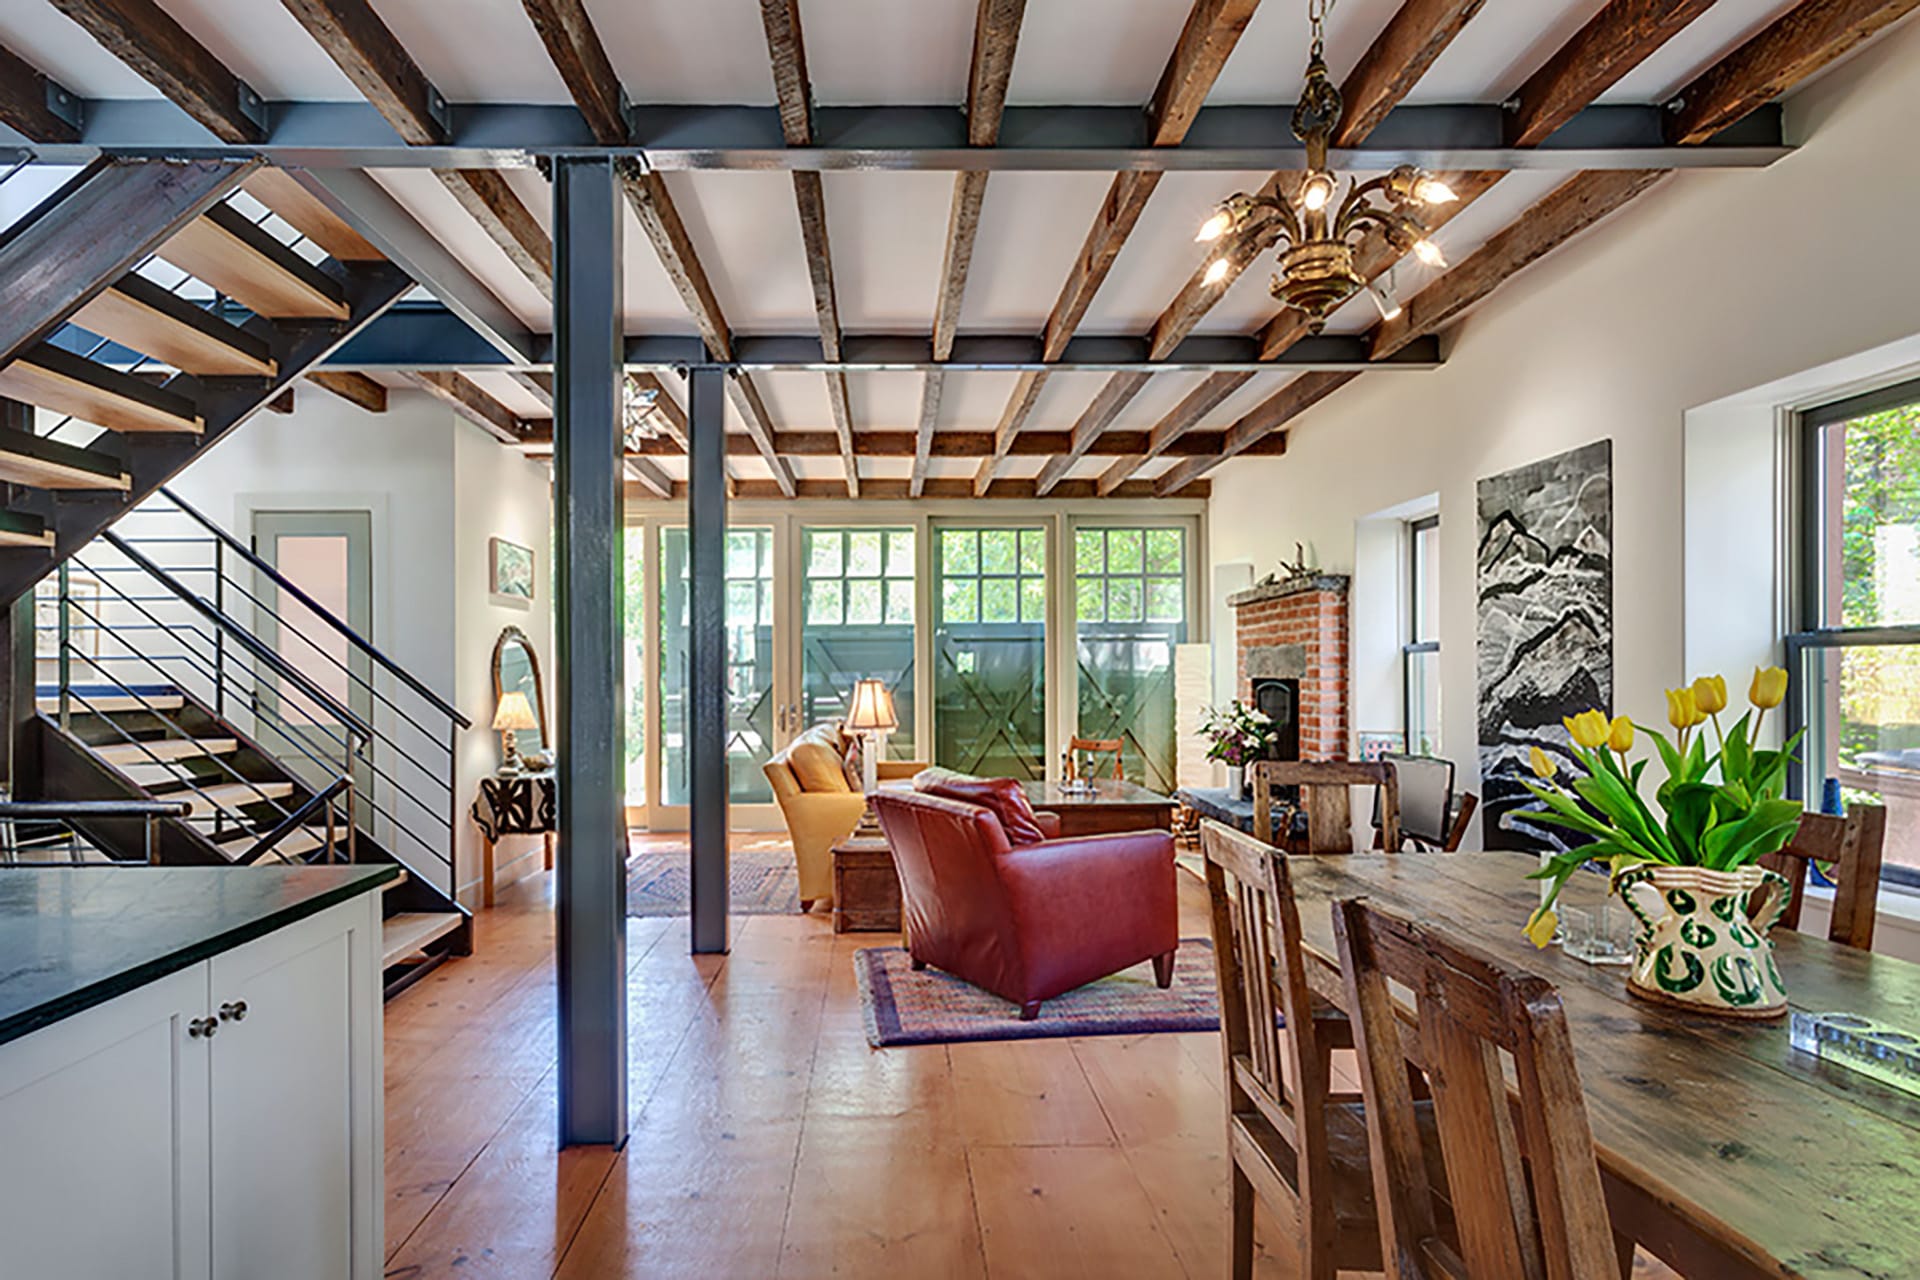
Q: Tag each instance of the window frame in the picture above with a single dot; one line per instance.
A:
(1815, 635)
(1413, 645)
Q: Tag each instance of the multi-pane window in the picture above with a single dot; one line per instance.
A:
(989, 650)
(1130, 610)
(857, 589)
(1856, 666)
(1420, 652)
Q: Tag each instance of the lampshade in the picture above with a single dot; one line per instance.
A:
(514, 712)
(871, 707)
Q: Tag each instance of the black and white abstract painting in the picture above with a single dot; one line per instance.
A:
(1545, 584)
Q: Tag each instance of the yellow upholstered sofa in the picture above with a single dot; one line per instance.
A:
(820, 806)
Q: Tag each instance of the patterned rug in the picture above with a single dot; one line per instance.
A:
(930, 1007)
(764, 881)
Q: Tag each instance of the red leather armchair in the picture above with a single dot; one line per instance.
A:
(1029, 922)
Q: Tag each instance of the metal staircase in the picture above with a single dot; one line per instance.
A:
(185, 709)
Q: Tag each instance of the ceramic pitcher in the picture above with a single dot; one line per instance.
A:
(1698, 946)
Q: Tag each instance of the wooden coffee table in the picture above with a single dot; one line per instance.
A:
(1110, 806)
(866, 888)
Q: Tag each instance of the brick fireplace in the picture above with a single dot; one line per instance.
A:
(1295, 632)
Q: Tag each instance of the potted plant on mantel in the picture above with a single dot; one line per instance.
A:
(1239, 735)
(1719, 812)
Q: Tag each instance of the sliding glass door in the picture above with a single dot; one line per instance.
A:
(989, 649)
(1130, 611)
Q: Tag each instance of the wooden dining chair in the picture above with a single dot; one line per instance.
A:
(1526, 1198)
(1325, 798)
(1098, 747)
(1294, 1143)
(1849, 850)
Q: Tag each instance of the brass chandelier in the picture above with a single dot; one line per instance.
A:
(1317, 235)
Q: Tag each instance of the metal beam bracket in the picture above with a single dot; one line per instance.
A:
(254, 108)
(67, 105)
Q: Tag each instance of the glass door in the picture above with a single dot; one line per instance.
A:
(756, 680)
(857, 623)
(989, 649)
(1130, 611)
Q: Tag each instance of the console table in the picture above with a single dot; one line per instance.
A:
(1111, 806)
(519, 804)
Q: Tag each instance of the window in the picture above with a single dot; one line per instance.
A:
(1420, 655)
(749, 574)
(989, 650)
(1856, 663)
(857, 623)
(1130, 610)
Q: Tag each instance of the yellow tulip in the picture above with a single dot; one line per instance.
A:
(1682, 712)
(1620, 735)
(1543, 766)
(1769, 687)
(1542, 926)
(1589, 728)
(1710, 694)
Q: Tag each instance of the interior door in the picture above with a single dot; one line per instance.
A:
(760, 704)
(328, 555)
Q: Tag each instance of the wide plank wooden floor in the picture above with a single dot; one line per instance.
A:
(770, 1141)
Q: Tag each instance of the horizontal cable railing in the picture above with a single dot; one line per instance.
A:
(184, 604)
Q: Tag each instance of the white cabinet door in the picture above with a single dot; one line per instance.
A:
(296, 1110)
(103, 1122)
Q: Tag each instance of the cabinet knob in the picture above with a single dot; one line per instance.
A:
(202, 1027)
(236, 1011)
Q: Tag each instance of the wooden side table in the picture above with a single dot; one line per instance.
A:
(513, 805)
(866, 887)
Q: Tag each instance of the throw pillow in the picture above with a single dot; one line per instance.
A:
(816, 764)
(852, 762)
(1004, 796)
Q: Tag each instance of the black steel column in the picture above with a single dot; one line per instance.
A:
(707, 676)
(19, 770)
(587, 471)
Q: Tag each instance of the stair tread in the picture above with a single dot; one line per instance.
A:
(66, 382)
(138, 314)
(110, 702)
(407, 932)
(224, 250)
(296, 843)
(229, 795)
(164, 749)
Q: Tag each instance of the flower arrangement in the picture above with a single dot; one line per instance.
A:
(1719, 824)
(1239, 734)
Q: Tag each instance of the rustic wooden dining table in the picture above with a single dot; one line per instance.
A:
(1724, 1151)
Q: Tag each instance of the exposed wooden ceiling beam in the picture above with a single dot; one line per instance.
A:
(25, 105)
(141, 34)
(582, 62)
(354, 388)
(931, 386)
(465, 398)
(653, 205)
(649, 474)
(1568, 210)
(1171, 432)
(787, 52)
(1212, 29)
(508, 222)
(1614, 42)
(537, 383)
(1794, 46)
(673, 418)
(753, 410)
(1012, 420)
(360, 44)
(936, 490)
(1417, 33)
(1255, 425)
(996, 36)
(899, 444)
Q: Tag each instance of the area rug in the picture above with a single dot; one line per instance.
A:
(763, 881)
(929, 1007)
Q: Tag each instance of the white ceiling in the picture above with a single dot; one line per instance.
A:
(888, 229)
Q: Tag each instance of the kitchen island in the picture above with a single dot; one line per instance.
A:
(190, 1063)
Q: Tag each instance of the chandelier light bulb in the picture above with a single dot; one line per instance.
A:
(1388, 304)
(1216, 272)
(1430, 190)
(1317, 194)
(1429, 252)
(1215, 227)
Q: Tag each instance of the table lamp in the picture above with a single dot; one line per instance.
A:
(512, 715)
(870, 714)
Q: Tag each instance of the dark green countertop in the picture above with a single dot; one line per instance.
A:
(72, 938)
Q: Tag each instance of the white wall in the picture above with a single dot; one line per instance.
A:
(1707, 287)
(496, 493)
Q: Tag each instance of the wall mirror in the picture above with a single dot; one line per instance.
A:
(516, 668)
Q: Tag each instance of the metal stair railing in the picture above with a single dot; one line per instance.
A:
(52, 824)
(178, 621)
